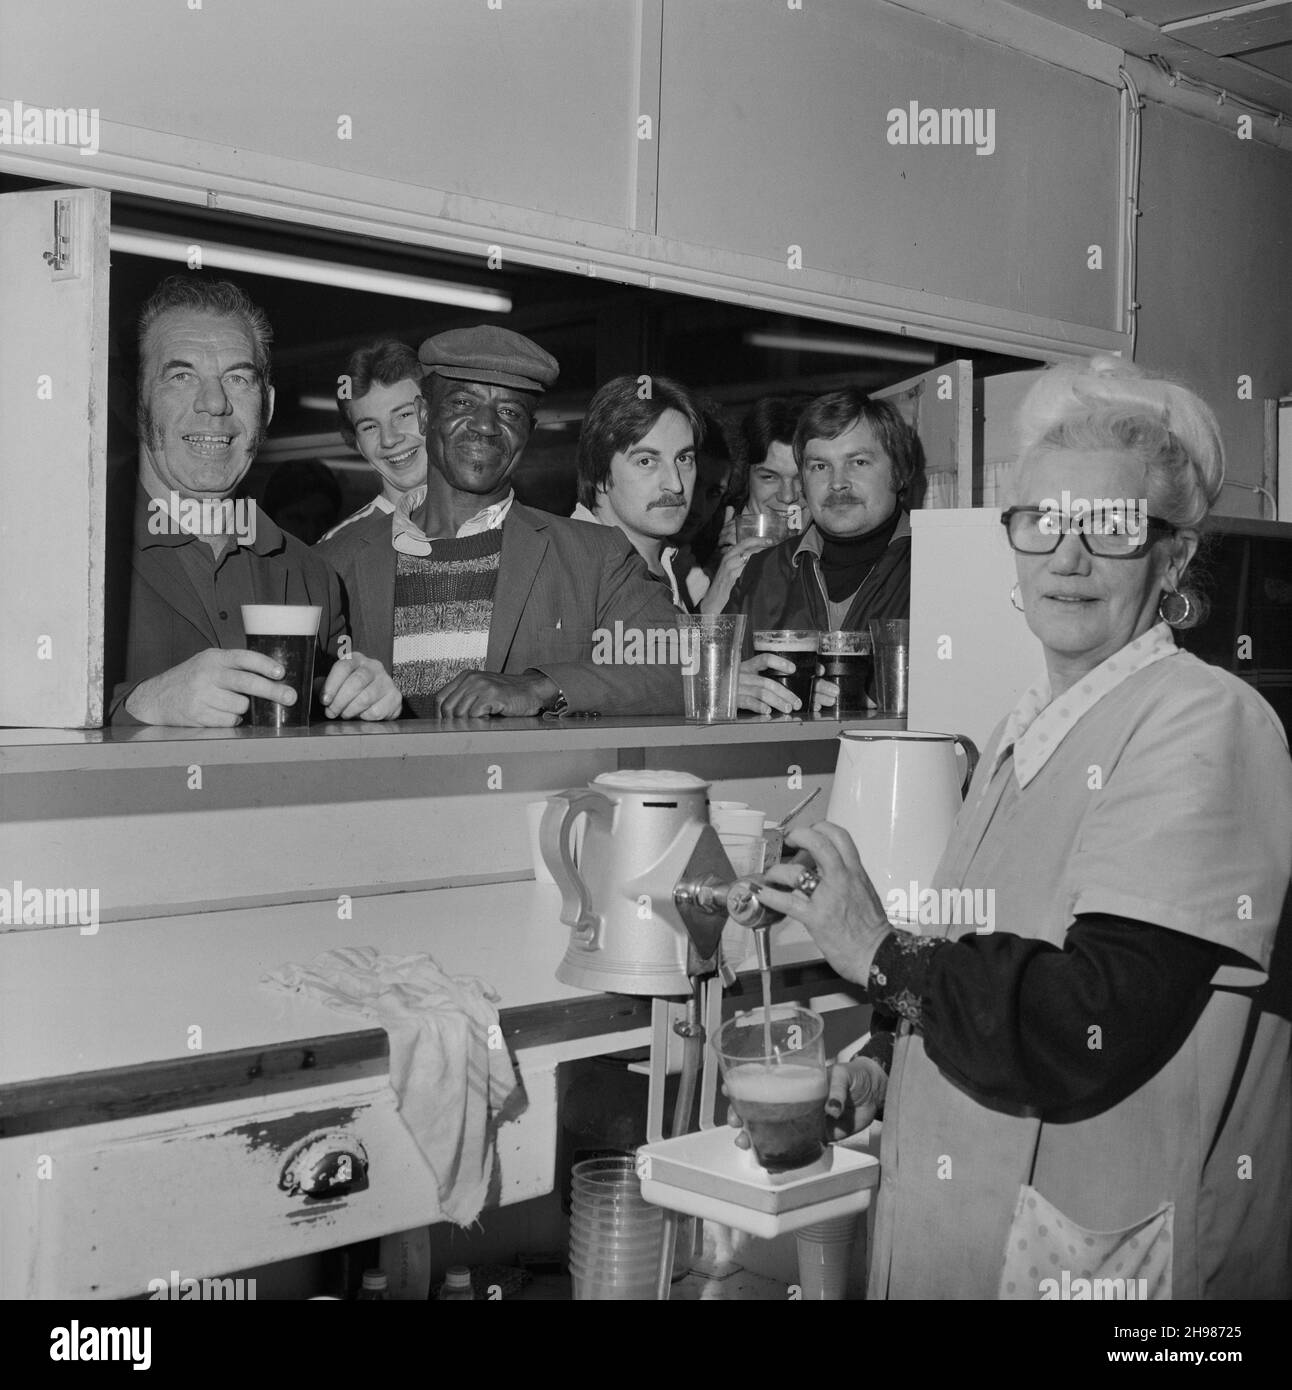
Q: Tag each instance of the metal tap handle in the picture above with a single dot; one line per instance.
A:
(745, 906)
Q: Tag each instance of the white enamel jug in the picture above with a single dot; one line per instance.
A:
(897, 795)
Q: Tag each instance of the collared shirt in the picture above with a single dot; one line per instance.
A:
(667, 554)
(380, 503)
(221, 583)
(162, 497)
(1166, 804)
(1038, 724)
(409, 538)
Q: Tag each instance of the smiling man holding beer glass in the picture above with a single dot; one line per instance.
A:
(185, 559)
(1103, 1077)
(857, 458)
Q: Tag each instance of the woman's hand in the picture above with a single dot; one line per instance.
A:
(857, 1091)
(729, 570)
(844, 915)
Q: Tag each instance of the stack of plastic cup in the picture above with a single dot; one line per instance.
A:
(615, 1234)
(825, 1253)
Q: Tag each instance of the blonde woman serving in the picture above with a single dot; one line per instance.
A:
(1098, 1090)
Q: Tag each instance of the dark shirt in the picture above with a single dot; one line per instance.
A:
(1012, 1019)
(784, 586)
(169, 598)
(846, 561)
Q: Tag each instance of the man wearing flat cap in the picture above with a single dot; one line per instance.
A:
(481, 605)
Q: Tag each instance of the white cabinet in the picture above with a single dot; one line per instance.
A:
(972, 653)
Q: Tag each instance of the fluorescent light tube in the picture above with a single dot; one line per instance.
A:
(224, 257)
(842, 346)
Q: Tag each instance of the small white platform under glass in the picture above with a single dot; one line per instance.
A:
(706, 1175)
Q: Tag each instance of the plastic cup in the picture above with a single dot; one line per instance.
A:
(825, 1254)
(711, 645)
(590, 1288)
(745, 853)
(774, 1073)
(735, 818)
(767, 526)
(892, 647)
(623, 1238)
(589, 1256)
(591, 1251)
(286, 633)
(616, 1236)
(616, 1224)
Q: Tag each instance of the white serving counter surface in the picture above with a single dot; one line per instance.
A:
(155, 1096)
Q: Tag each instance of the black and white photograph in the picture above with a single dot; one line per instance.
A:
(646, 656)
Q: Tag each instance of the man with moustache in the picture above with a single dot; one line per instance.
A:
(377, 403)
(176, 651)
(856, 459)
(479, 604)
(637, 468)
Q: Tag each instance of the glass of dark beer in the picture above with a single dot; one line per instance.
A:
(846, 660)
(774, 1073)
(798, 645)
(287, 633)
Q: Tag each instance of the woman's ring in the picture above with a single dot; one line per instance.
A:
(809, 881)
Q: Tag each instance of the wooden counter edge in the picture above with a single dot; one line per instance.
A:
(180, 1083)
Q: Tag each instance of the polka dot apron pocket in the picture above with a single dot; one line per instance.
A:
(1048, 1256)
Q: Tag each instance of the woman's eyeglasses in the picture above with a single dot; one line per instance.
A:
(1113, 533)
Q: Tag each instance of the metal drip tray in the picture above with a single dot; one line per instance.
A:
(706, 1175)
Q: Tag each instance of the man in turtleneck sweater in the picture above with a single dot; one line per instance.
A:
(856, 458)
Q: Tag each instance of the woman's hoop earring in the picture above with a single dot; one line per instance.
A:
(1013, 598)
(1180, 618)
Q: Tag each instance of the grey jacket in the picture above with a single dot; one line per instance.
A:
(560, 583)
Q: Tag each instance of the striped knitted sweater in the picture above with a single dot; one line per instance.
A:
(443, 608)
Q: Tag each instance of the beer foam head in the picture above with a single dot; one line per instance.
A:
(776, 1085)
(786, 641)
(281, 619)
(845, 644)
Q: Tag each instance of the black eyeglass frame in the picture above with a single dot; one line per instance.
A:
(1152, 523)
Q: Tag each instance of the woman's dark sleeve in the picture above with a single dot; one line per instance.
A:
(1064, 1031)
(883, 1034)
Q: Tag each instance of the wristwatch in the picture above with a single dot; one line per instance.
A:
(558, 706)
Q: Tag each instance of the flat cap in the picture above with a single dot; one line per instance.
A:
(494, 355)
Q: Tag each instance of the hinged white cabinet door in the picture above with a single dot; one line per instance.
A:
(938, 405)
(53, 456)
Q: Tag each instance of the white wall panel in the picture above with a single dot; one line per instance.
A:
(774, 132)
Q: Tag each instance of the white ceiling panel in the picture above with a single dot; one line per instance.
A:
(1237, 33)
(1171, 11)
(1245, 49)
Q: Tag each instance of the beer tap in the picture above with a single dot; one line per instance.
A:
(709, 895)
